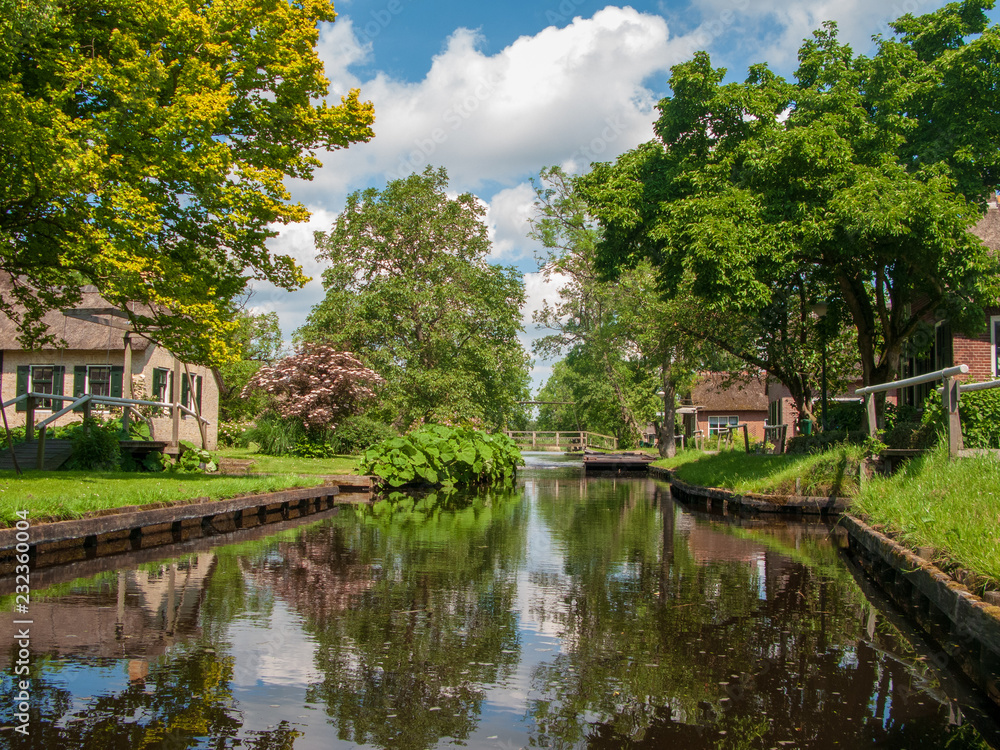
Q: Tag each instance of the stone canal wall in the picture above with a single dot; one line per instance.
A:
(133, 528)
(966, 627)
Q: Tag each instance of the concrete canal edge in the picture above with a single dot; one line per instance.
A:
(138, 527)
(713, 498)
(966, 627)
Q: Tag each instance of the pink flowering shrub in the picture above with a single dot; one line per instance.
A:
(317, 386)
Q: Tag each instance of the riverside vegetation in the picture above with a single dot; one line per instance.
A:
(951, 507)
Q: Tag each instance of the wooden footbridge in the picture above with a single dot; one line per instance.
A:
(562, 441)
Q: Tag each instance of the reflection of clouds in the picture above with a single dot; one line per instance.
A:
(273, 652)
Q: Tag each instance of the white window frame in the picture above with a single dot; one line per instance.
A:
(730, 422)
(45, 405)
(90, 385)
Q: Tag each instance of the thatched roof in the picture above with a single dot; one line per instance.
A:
(92, 325)
(711, 394)
(988, 228)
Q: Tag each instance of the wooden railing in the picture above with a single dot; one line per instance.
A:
(85, 403)
(950, 391)
(568, 440)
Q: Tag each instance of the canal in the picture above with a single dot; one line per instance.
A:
(567, 612)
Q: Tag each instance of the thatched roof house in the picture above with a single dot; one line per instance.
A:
(97, 353)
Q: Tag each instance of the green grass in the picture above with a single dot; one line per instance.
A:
(821, 475)
(951, 506)
(60, 495)
(292, 464)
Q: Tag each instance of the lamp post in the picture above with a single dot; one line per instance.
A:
(820, 309)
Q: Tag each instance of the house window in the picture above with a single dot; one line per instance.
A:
(99, 380)
(43, 381)
(720, 424)
(161, 379)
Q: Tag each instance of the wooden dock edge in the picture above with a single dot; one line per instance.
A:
(134, 527)
(966, 627)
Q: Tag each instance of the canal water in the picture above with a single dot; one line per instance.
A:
(566, 612)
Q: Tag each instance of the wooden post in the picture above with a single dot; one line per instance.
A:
(557, 440)
(949, 398)
(870, 412)
(40, 460)
(176, 398)
(29, 420)
(746, 436)
(127, 382)
(86, 417)
(534, 440)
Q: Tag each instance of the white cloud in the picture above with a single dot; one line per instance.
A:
(565, 94)
(538, 290)
(508, 218)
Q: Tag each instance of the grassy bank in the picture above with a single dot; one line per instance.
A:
(293, 465)
(60, 495)
(952, 507)
(834, 472)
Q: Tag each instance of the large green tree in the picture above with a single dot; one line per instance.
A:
(409, 291)
(145, 147)
(855, 184)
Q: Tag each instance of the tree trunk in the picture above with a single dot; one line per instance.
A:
(666, 442)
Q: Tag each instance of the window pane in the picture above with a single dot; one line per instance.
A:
(100, 381)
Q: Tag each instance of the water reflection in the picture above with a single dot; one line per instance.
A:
(569, 612)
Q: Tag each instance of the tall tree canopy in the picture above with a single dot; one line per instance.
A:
(410, 292)
(855, 184)
(144, 148)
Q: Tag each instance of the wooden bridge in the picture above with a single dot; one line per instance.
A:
(562, 441)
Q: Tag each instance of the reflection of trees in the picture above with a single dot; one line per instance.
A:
(658, 612)
(184, 698)
(426, 620)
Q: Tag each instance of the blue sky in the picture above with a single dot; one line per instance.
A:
(496, 91)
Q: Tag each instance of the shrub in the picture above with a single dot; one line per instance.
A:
(980, 412)
(357, 434)
(441, 455)
(193, 460)
(231, 433)
(96, 448)
(274, 435)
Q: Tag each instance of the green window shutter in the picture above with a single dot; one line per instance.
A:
(58, 385)
(170, 388)
(158, 383)
(185, 389)
(23, 376)
(117, 378)
(79, 382)
(197, 396)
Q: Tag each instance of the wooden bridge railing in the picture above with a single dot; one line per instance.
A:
(569, 440)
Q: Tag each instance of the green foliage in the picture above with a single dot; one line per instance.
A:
(822, 441)
(96, 448)
(145, 149)
(232, 433)
(356, 434)
(854, 185)
(275, 436)
(442, 455)
(980, 413)
(157, 461)
(193, 460)
(410, 292)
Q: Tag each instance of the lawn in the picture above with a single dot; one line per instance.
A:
(834, 472)
(60, 495)
(293, 465)
(951, 506)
